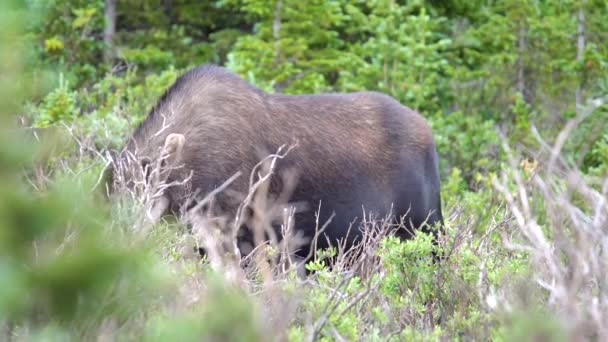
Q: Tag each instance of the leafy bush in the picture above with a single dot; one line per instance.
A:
(597, 161)
(468, 142)
(59, 105)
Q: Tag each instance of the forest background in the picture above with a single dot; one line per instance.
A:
(515, 92)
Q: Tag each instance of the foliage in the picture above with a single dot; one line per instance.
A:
(60, 281)
(597, 161)
(403, 54)
(523, 242)
(68, 37)
(295, 46)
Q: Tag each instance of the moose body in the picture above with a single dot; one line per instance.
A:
(354, 153)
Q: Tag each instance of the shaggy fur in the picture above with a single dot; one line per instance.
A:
(354, 151)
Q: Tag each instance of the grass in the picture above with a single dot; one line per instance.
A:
(530, 265)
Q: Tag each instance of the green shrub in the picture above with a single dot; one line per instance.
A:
(59, 105)
(468, 142)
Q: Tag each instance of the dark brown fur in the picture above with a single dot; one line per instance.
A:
(354, 151)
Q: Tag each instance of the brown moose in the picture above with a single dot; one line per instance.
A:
(353, 152)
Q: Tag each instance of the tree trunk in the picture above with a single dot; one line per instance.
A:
(276, 29)
(276, 22)
(580, 50)
(521, 50)
(109, 29)
(276, 35)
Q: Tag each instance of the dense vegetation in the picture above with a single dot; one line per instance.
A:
(515, 91)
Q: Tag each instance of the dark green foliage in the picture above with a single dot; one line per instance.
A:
(154, 34)
(295, 46)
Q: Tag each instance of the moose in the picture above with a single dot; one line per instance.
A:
(351, 153)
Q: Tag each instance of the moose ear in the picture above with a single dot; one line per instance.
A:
(174, 143)
(172, 151)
